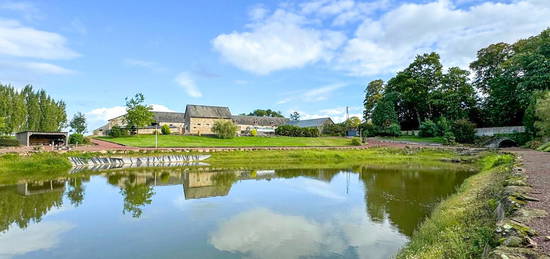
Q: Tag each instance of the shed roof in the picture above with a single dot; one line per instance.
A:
(170, 117)
(259, 120)
(205, 111)
(310, 123)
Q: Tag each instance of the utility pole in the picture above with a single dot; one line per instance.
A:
(156, 135)
(347, 112)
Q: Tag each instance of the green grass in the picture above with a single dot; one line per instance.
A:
(438, 140)
(462, 225)
(206, 141)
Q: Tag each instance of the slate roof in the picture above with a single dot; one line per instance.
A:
(204, 111)
(169, 117)
(310, 123)
(259, 120)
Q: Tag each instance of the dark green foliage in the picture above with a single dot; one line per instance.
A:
(449, 138)
(224, 129)
(394, 130)
(373, 93)
(8, 142)
(77, 138)
(294, 131)
(165, 130)
(78, 123)
(428, 128)
(337, 129)
(369, 130)
(266, 113)
(443, 126)
(117, 132)
(30, 110)
(464, 131)
(384, 113)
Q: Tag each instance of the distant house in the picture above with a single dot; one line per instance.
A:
(263, 125)
(174, 120)
(319, 123)
(199, 119)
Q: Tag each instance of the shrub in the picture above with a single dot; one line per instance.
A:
(253, 132)
(533, 144)
(394, 130)
(443, 126)
(294, 131)
(464, 131)
(117, 132)
(77, 138)
(356, 142)
(165, 129)
(335, 130)
(224, 129)
(427, 128)
(8, 142)
(369, 129)
(544, 147)
(449, 138)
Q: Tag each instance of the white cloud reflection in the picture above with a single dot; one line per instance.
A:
(43, 236)
(262, 233)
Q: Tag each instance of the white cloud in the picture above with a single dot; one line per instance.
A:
(262, 233)
(36, 237)
(22, 41)
(188, 84)
(312, 95)
(278, 41)
(389, 43)
(34, 68)
(101, 115)
(385, 36)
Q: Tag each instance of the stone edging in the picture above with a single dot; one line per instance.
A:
(514, 234)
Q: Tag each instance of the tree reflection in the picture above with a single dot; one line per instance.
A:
(76, 191)
(136, 195)
(23, 203)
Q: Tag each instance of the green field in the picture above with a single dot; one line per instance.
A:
(204, 141)
(438, 140)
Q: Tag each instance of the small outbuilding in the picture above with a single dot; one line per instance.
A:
(37, 138)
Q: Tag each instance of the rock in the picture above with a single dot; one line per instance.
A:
(531, 243)
(547, 239)
(513, 241)
(524, 215)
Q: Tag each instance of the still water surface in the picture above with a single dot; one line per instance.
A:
(206, 213)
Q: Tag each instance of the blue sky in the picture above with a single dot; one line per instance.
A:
(313, 56)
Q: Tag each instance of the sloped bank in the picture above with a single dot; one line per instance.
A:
(485, 218)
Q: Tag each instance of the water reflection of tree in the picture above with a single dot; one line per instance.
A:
(21, 210)
(406, 197)
(136, 195)
(76, 191)
(320, 174)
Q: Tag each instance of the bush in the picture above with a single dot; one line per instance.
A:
(356, 142)
(224, 129)
(544, 147)
(464, 131)
(165, 130)
(335, 130)
(394, 130)
(77, 138)
(427, 128)
(369, 129)
(533, 144)
(294, 131)
(253, 132)
(443, 126)
(449, 138)
(117, 132)
(8, 142)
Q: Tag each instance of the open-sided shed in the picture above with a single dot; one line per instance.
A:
(36, 138)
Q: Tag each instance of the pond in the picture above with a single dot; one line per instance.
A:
(357, 212)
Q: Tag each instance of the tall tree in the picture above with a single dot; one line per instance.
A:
(137, 113)
(373, 93)
(265, 113)
(384, 114)
(455, 98)
(78, 123)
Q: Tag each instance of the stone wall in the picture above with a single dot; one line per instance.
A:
(202, 126)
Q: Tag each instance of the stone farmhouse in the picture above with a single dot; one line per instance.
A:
(199, 119)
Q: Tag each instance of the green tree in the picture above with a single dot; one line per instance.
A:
(165, 130)
(78, 123)
(224, 129)
(456, 97)
(384, 114)
(138, 114)
(542, 112)
(136, 196)
(352, 123)
(295, 116)
(373, 93)
(265, 113)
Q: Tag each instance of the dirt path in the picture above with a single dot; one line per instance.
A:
(537, 166)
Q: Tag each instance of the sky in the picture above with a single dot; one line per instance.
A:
(314, 57)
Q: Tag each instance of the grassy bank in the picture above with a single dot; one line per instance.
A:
(206, 141)
(462, 225)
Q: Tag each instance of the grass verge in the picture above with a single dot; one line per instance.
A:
(208, 141)
(463, 225)
(436, 140)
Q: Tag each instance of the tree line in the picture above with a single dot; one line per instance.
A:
(29, 109)
(507, 81)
